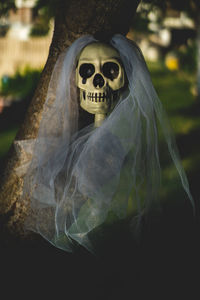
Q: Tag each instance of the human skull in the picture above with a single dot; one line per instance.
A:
(100, 77)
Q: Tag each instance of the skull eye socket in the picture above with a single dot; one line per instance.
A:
(86, 70)
(110, 70)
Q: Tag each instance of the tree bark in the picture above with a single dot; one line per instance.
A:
(198, 51)
(73, 19)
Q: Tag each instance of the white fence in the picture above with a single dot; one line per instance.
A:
(16, 54)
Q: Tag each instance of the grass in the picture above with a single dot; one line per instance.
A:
(183, 110)
(174, 90)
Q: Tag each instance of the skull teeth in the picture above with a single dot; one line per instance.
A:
(95, 97)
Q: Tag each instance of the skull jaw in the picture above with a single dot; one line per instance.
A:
(99, 104)
(100, 110)
(95, 108)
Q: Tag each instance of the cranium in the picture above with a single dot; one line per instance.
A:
(100, 78)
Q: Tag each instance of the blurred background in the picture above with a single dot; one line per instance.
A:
(168, 37)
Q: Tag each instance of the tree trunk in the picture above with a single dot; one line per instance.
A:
(73, 19)
(198, 51)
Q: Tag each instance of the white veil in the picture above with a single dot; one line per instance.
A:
(78, 179)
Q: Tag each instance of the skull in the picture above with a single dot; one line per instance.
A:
(100, 77)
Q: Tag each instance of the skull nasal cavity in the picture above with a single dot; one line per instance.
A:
(98, 81)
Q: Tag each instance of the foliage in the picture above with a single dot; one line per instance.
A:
(21, 85)
(19, 90)
(40, 28)
(183, 5)
(190, 6)
(5, 6)
(188, 58)
(43, 12)
(140, 22)
(174, 90)
(46, 8)
(156, 3)
(6, 138)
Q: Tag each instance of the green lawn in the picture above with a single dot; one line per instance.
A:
(183, 109)
(174, 90)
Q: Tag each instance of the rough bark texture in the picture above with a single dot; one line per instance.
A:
(198, 51)
(73, 19)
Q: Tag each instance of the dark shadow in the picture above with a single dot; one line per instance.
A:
(164, 262)
(192, 111)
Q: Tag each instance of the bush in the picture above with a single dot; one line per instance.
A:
(17, 92)
(188, 57)
(39, 29)
(21, 85)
